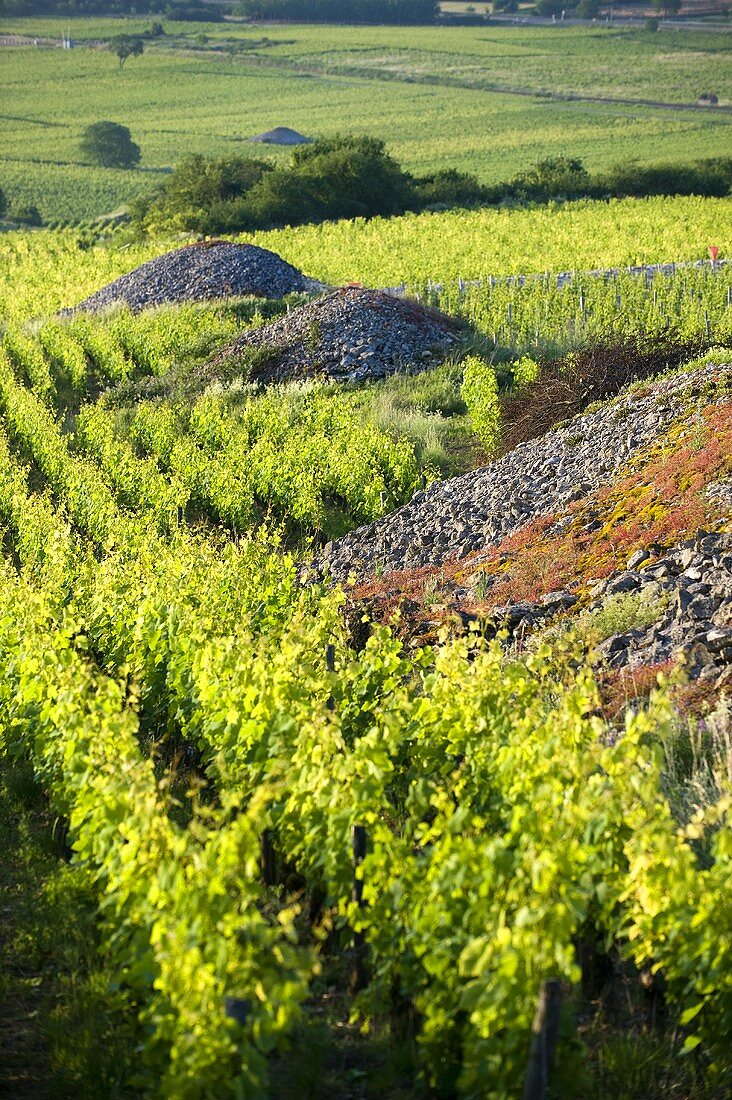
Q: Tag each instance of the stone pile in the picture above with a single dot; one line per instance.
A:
(452, 519)
(692, 585)
(202, 272)
(350, 335)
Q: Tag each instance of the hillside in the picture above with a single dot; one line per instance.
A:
(366, 662)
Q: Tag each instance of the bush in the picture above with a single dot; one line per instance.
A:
(554, 177)
(565, 387)
(27, 215)
(352, 177)
(3, 203)
(202, 194)
(448, 187)
(343, 177)
(588, 9)
(480, 394)
(651, 25)
(711, 178)
(110, 145)
(195, 13)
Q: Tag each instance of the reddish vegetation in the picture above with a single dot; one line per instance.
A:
(620, 688)
(660, 500)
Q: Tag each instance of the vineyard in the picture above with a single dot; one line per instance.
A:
(486, 102)
(301, 834)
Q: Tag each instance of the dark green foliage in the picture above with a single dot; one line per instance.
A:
(350, 177)
(202, 194)
(448, 187)
(3, 203)
(110, 145)
(339, 178)
(555, 177)
(588, 9)
(196, 13)
(124, 46)
(342, 11)
(707, 177)
(27, 215)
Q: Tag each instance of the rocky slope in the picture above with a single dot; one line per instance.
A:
(619, 522)
(454, 518)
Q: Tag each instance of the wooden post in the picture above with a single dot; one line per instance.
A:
(544, 1034)
(330, 666)
(358, 974)
(267, 863)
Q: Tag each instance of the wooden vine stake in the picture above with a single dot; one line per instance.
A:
(358, 974)
(267, 862)
(544, 1034)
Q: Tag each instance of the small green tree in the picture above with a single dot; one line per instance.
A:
(110, 145)
(124, 46)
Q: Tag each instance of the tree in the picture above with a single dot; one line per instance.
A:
(203, 194)
(668, 7)
(110, 145)
(124, 46)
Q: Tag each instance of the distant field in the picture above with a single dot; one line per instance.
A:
(430, 93)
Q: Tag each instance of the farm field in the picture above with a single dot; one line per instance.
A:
(42, 271)
(303, 852)
(439, 97)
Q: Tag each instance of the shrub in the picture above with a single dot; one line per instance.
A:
(202, 194)
(352, 177)
(448, 187)
(652, 25)
(554, 177)
(567, 386)
(27, 215)
(588, 9)
(480, 393)
(110, 145)
(3, 203)
(711, 178)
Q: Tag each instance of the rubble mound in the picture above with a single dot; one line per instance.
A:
(282, 135)
(477, 510)
(351, 335)
(202, 272)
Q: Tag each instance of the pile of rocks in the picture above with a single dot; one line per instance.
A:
(476, 510)
(350, 335)
(202, 272)
(692, 585)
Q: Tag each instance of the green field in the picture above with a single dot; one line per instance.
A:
(42, 271)
(482, 100)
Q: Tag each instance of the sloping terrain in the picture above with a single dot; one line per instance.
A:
(351, 335)
(617, 522)
(202, 272)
